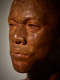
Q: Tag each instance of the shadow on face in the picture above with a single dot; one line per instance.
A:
(31, 33)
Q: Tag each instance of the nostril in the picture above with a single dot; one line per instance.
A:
(18, 42)
(21, 41)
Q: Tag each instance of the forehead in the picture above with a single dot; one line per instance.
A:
(24, 9)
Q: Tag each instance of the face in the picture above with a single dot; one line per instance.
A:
(31, 32)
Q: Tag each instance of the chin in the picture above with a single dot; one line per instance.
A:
(22, 67)
(21, 70)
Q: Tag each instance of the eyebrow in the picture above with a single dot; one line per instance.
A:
(41, 22)
(11, 19)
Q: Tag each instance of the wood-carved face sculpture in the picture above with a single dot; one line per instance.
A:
(32, 27)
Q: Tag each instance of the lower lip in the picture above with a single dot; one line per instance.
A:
(20, 63)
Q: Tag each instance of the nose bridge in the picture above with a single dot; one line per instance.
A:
(20, 31)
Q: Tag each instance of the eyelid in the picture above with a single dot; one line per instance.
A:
(34, 25)
(12, 23)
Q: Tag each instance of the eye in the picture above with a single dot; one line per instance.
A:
(33, 25)
(11, 25)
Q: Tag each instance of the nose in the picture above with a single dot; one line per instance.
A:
(20, 35)
(20, 40)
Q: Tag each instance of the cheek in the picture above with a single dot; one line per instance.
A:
(11, 32)
(41, 43)
(42, 52)
(40, 38)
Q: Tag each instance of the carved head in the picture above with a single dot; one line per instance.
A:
(32, 25)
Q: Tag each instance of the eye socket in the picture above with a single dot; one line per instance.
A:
(33, 25)
(11, 25)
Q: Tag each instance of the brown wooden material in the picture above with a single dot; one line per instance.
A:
(33, 36)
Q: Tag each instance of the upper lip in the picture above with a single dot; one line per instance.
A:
(24, 51)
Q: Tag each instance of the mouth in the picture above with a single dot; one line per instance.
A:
(20, 57)
(21, 54)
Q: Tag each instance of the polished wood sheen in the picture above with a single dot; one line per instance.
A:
(34, 38)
